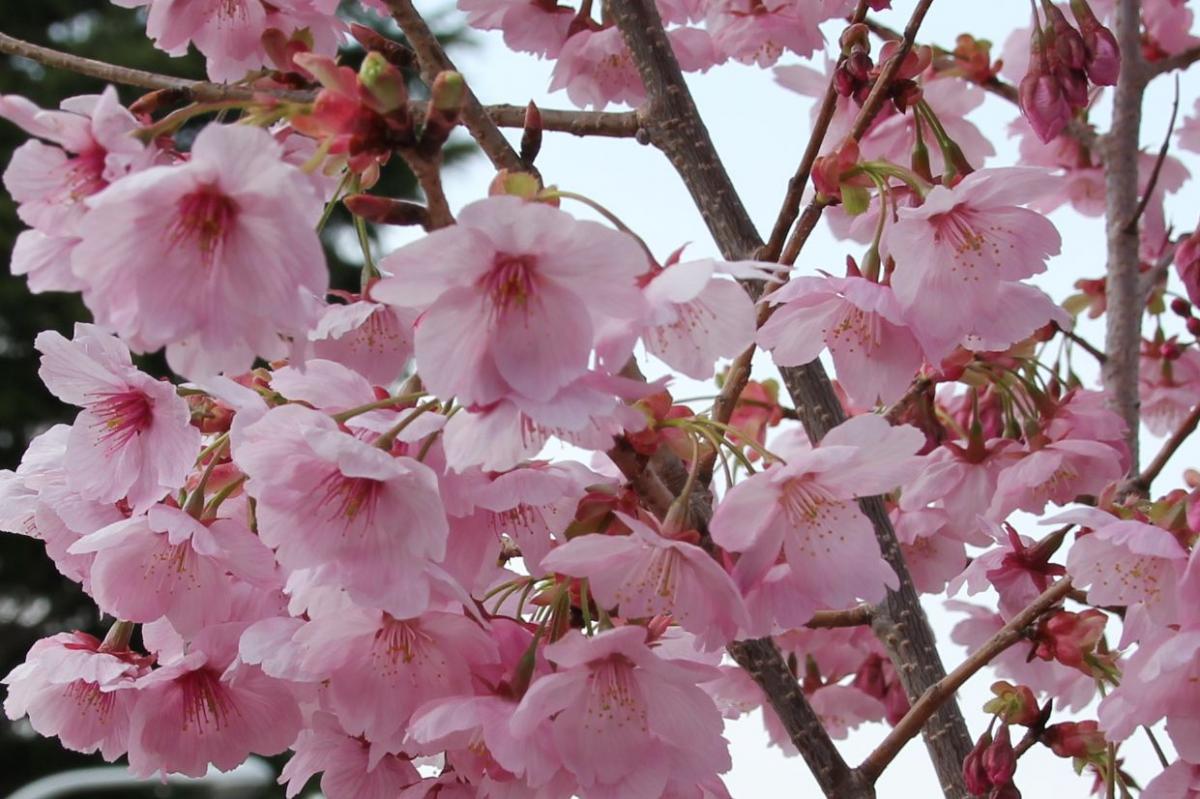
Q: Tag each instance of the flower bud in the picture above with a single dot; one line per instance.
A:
(975, 775)
(386, 211)
(383, 84)
(531, 138)
(1103, 53)
(1181, 307)
(856, 38)
(1013, 704)
(1040, 96)
(1170, 350)
(999, 759)
(517, 184)
(1081, 739)
(1071, 638)
(373, 41)
(1193, 326)
(1068, 43)
(446, 98)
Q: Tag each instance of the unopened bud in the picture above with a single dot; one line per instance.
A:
(975, 776)
(386, 211)
(531, 138)
(856, 38)
(1103, 53)
(1041, 97)
(446, 98)
(1193, 326)
(1013, 704)
(394, 52)
(1181, 307)
(153, 102)
(515, 184)
(999, 760)
(1081, 739)
(383, 83)
(1068, 43)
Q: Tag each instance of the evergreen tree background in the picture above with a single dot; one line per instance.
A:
(35, 600)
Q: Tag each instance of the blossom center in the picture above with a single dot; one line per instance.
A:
(511, 281)
(205, 219)
(122, 416)
(207, 705)
(349, 499)
(396, 643)
(614, 699)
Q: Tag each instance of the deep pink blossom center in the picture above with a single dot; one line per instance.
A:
(615, 698)
(511, 281)
(349, 499)
(122, 415)
(204, 220)
(207, 705)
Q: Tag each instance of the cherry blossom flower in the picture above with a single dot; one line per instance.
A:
(343, 761)
(625, 720)
(759, 32)
(1125, 562)
(1180, 780)
(309, 478)
(132, 440)
(860, 322)
(529, 26)
(229, 32)
(649, 573)
(224, 260)
(167, 563)
(1057, 472)
(514, 306)
(1159, 681)
(805, 510)
(1169, 387)
(374, 340)
(78, 691)
(962, 481)
(194, 711)
(960, 254)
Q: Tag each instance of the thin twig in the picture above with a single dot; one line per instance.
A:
(1132, 227)
(1087, 346)
(858, 616)
(791, 202)
(921, 710)
(1188, 426)
(1181, 60)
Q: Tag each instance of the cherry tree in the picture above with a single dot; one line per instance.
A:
(456, 534)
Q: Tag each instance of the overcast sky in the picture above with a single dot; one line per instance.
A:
(760, 131)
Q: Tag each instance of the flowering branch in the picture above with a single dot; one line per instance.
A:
(938, 693)
(1123, 336)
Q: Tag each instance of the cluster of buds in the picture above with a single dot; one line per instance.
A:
(990, 766)
(1076, 739)
(1062, 61)
(1182, 308)
(1074, 640)
(856, 74)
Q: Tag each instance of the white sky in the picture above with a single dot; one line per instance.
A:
(760, 130)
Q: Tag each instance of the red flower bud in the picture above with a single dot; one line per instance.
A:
(975, 775)
(999, 760)
(1181, 307)
(1013, 704)
(1081, 739)
(1041, 96)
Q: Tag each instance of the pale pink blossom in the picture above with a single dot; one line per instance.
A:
(195, 711)
(962, 480)
(1189, 130)
(1169, 25)
(133, 439)
(625, 720)
(327, 499)
(215, 258)
(587, 413)
(759, 32)
(1160, 680)
(805, 510)
(374, 340)
(648, 574)
(1014, 569)
(528, 25)
(229, 32)
(74, 689)
(1168, 388)
(513, 306)
(843, 708)
(166, 563)
(379, 669)
(1125, 562)
(1180, 780)
(1057, 472)
(959, 255)
(344, 763)
(862, 324)
(933, 549)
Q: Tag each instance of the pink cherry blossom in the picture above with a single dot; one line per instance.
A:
(932, 549)
(759, 32)
(625, 720)
(310, 480)
(805, 510)
(1180, 780)
(78, 691)
(229, 32)
(215, 258)
(962, 481)
(861, 323)
(1016, 570)
(1168, 388)
(132, 440)
(1125, 561)
(380, 669)
(648, 574)
(588, 413)
(528, 25)
(372, 339)
(1189, 130)
(344, 763)
(1160, 680)
(1058, 473)
(167, 563)
(513, 307)
(194, 711)
(959, 255)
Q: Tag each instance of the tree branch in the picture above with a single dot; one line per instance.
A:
(675, 127)
(1123, 335)
(622, 124)
(1181, 60)
(938, 693)
(1188, 426)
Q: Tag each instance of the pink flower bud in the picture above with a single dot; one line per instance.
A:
(999, 760)
(974, 773)
(1081, 739)
(1041, 97)
(1103, 54)
(1013, 704)
(1068, 43)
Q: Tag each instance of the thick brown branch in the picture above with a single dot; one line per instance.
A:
(1125, 305)
(433, 59)
(1181, 60)
(674, 125)
(615, 124)
(940, 692)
